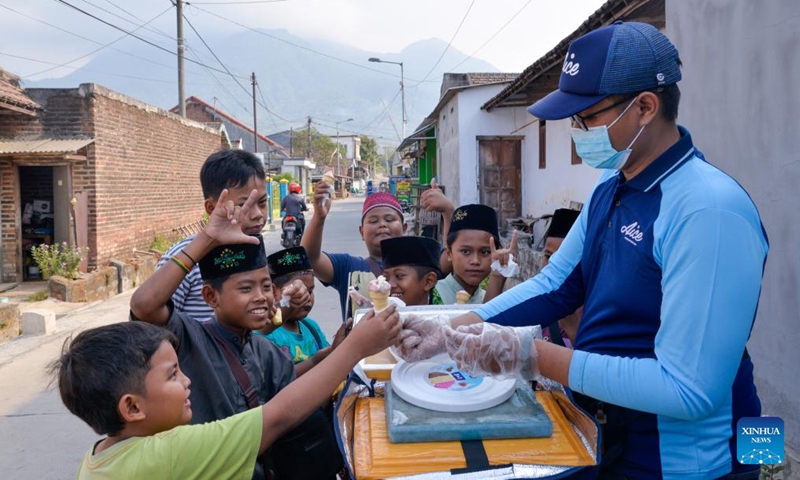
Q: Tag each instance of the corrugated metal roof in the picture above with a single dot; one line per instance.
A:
(42, 145)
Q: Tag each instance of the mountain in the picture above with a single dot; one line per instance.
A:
(295, 81)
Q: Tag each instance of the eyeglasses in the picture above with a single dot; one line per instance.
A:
(581, 121)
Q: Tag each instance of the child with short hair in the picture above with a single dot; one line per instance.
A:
(381, 218)
(125, 381)
(233, 369)
(411, 267)
(238, 171)
(299, 336)
(471, 248)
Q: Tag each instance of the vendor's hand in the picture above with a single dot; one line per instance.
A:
(374, 332)
(224, 223)
(434, 200)
(503, 255)
(297, 293)
(485, 349)
(322, 199)
(421, 338)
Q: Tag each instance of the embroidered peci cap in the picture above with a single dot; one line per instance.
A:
(411, 251)
(288, 261)
(561, 223)
(381, 199)
(226, 260)
(625, 57)
(476, 217)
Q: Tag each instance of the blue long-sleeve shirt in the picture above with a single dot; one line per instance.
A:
(668, 267)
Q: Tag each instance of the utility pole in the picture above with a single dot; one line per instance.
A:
(403, 99)
(291, 141)
(181, 48)
(255, 115)
(308, 131)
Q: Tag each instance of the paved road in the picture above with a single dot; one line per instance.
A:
(39, 439)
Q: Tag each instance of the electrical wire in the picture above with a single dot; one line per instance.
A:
(129, 21)
(493, 36)
(97, 49)
(466, 14)
(63, 2)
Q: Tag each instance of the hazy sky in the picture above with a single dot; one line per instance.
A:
(376, 25)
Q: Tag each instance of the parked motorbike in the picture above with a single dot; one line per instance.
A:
(292, 232)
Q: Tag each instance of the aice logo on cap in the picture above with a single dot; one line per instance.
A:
(571, 67)
(759, 440)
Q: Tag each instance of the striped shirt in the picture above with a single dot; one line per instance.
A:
(188, 298)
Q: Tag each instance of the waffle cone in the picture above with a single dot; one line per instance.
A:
(379, 300)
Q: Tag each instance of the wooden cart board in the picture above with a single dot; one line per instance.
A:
(376, 458)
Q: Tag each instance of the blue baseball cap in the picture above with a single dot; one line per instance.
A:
(625, 57)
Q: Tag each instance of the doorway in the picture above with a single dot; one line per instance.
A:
(45, 218)
(500, 165)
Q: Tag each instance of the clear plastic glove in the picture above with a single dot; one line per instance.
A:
(487, 349)
(421, 337)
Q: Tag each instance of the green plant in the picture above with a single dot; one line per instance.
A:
(160, 243)
(283, 176)
(58, 259)
(770, 472)
(38, 296)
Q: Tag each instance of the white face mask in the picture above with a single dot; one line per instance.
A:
(594, 145)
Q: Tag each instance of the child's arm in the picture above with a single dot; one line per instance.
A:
(374, 333)
(322, 353)
(149, 302)
(434, 200)
(312, 237)
(496, 280)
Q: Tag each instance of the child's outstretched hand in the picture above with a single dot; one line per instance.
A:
(322, 195)
(224, 222)
(503, 255)
(434, 200)
(296, 293)
(375, 332)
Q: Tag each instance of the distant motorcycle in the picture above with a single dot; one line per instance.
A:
(291, 232)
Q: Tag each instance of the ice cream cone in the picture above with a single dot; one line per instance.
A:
(379, 300)
(277, 320)
(462, 297)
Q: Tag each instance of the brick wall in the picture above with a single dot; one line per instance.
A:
(141, 175)
(147, 166)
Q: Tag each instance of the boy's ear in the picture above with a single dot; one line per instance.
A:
(210, 295)
(209, 205)
(405, 225)
(429, 281)
(361, 231)
(130, 408)
(448, 253)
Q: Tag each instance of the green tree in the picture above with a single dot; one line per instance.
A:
(322, 147)
(369, 153)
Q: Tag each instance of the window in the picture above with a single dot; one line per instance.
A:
(542, 144)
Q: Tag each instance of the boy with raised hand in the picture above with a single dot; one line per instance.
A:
(381, 218)
(238, 287)
(239, 172)
(300, 337)
(125, 381)
(471, 249)
(411, 267)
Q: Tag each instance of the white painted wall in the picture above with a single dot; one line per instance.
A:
(543, 190)
(741, 103)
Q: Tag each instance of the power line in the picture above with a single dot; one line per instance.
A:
(448, 43)
(97, 49)
(269, 113)
(129, 21)
(493, 36)
(85, 38)
(86, 69)
(131, 34)
(241, 2)
(302, 47)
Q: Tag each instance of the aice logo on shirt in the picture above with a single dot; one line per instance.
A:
(632, 233)
(759, 440)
